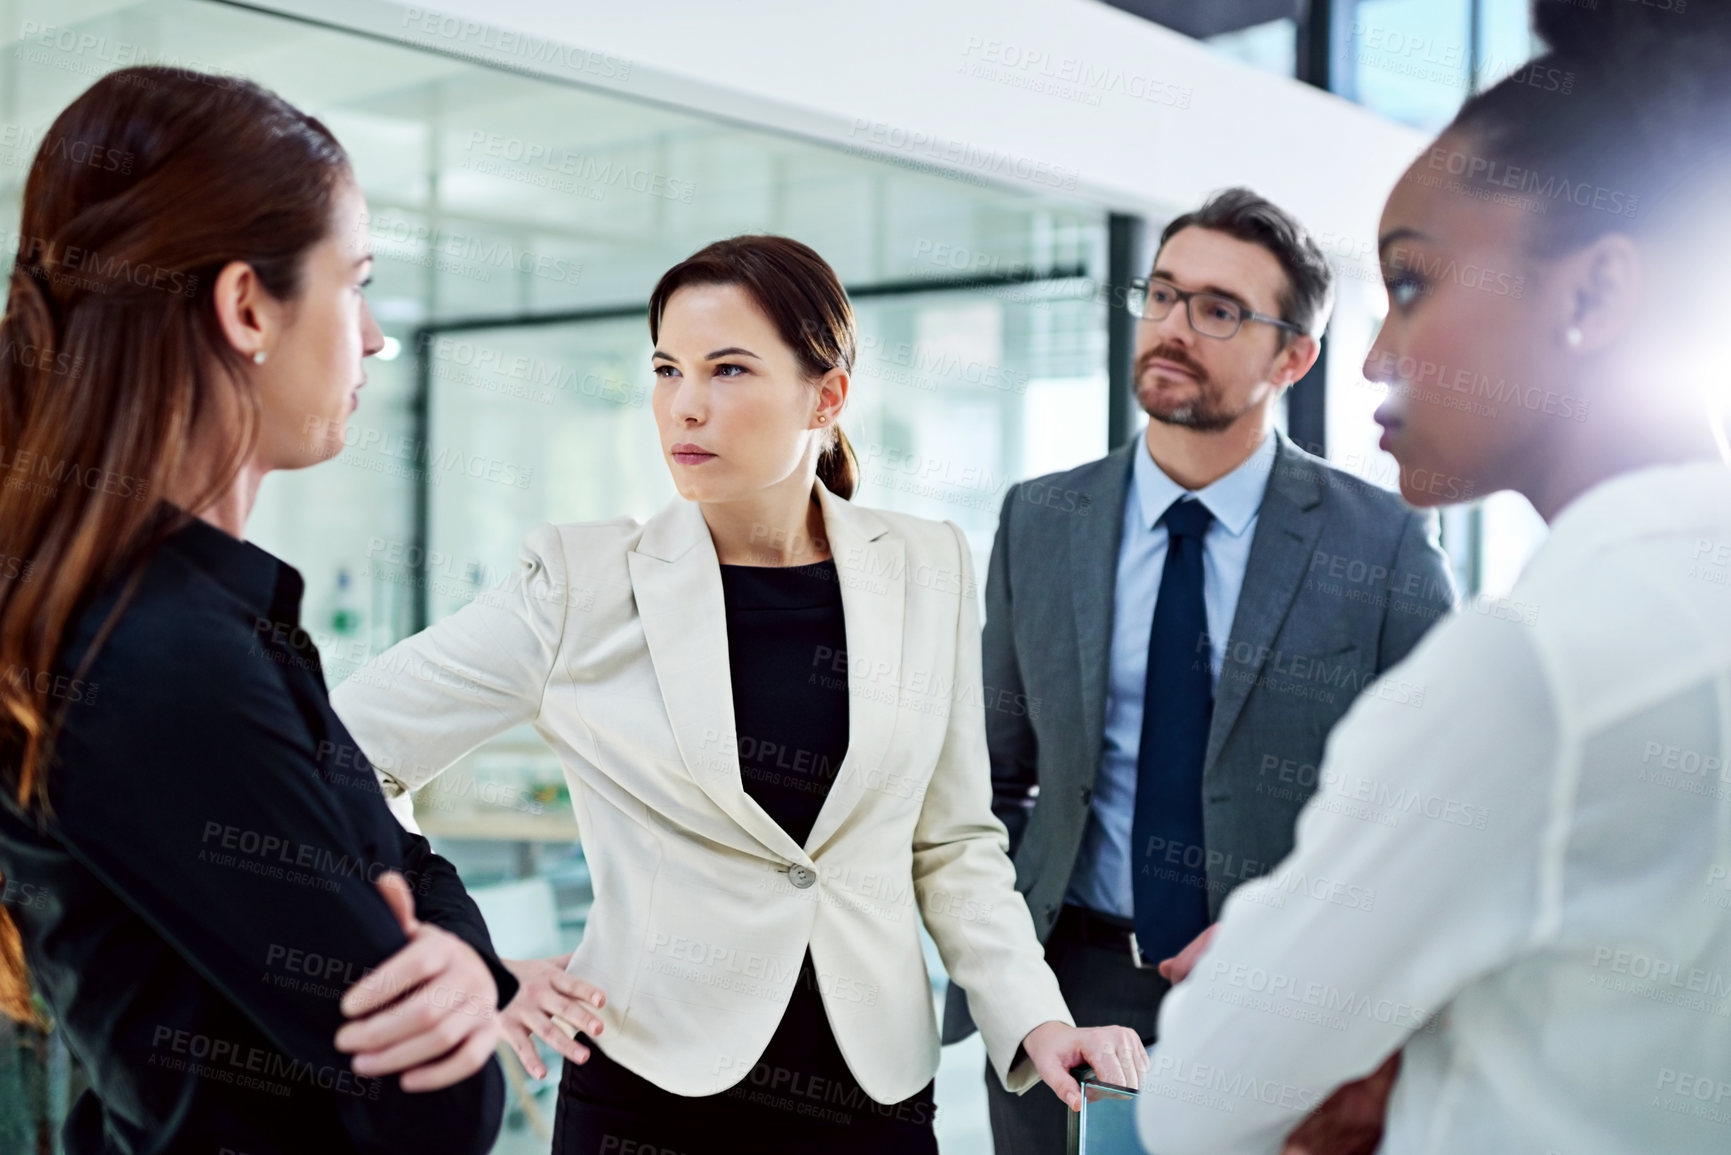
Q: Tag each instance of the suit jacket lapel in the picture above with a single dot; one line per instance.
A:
(1287, 526)
(871, 564)
(1094, 543)
(676, 580)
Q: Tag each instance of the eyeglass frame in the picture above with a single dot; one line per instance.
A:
(1185, 296)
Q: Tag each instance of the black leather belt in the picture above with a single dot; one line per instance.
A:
(1103, 930)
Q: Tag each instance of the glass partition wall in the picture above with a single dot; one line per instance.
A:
(519, 225)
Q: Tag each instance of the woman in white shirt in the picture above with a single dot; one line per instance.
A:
(768, 705)
(1547, 839)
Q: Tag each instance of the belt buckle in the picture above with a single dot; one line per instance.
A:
(1136, 955)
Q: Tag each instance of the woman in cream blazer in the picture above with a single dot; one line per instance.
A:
(614, 643)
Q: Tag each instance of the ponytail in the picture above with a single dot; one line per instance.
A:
(838, 467)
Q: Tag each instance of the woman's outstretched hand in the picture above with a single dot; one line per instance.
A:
(430, 1012)
(550, 1004)
(1116, 1054)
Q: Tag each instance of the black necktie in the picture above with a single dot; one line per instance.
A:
(1167, 860)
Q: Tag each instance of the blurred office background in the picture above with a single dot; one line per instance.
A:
(979, 178)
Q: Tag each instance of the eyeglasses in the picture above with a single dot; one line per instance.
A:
(1210, 314)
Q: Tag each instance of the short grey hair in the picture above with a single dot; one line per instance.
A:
(1308, 297)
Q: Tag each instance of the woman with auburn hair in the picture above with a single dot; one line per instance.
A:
(244, 950)
(1549, 850)
(768, 704)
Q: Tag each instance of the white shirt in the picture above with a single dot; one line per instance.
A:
(1525, 880)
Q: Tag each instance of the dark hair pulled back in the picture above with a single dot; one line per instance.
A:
(1619, 125)
(802, 297)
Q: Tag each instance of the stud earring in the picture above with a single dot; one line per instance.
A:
(1573, 336)
(822, 417)
(258, 357)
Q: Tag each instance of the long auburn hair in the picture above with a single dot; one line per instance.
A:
(801, 295)
(140, 193)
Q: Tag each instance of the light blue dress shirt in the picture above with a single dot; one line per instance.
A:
(1101, 881)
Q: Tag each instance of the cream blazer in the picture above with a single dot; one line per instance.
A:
(612, 641)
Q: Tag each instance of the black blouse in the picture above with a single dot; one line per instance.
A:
(785, 629)
(790, 708)
(201, 887)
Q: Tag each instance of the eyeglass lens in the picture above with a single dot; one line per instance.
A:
(1210, 315)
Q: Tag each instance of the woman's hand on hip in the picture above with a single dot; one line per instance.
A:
(430, 1012)
(1116, 1054)
(550, 1004)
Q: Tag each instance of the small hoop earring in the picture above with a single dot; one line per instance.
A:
(1573, 336)
(258, 357)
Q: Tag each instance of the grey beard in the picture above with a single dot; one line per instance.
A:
(1197, 416)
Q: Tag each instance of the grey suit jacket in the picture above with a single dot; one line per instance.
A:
(1342, 581)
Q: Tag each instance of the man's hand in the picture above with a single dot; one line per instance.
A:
(551, 1004)
(1174, 970)
(430, 1012)
(1116, 1054)
(1349, 1122)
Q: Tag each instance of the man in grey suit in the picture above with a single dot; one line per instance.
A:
(1209, 587)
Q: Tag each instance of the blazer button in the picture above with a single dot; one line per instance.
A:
(801, 876)
(1087, 795)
